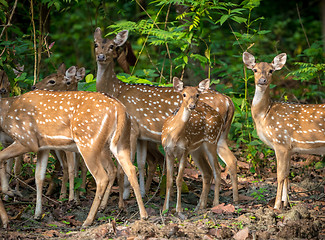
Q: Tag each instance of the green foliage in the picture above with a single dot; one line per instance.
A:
(314, 68)
(188, 38)
(259, 194)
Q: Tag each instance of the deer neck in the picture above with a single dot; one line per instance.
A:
(261, 102)
(179, 122)
(107, 81)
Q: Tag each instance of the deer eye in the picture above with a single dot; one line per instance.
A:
(51, 82)
(184, 94)
(271, 71)
(254, 70)
(96, 45)
(197, 95)
(111, 46)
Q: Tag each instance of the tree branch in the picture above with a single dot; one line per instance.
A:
(9, 20)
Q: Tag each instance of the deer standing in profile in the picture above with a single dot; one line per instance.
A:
(286, 127)
(87, 122)
(193, 128)
(149, 106)
(63, 80)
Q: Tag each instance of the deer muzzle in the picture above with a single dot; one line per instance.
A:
(101, 57)
(192, 106)
(262, 81)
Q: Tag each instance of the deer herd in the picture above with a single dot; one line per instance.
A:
(87, 129)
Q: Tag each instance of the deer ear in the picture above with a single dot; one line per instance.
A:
(178, 84)
(98, 33)
(61, 69)
(121, 37)
(204, 85)
(249, 60)
(279, 61)
(71, 72)
(18, 70)
(80, 74)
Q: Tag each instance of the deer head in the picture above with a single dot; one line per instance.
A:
(106, 49)
(190, 99)
(4, 85)
(62, 80)
(263, 71)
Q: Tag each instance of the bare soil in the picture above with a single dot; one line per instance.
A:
(253, 218)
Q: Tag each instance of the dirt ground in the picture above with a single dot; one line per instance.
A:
(252, 218)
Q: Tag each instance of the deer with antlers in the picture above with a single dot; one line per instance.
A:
(286, 127)
(90, 123)
(149, 106)
(193, 128)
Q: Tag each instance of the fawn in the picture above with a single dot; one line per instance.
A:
(193, 128)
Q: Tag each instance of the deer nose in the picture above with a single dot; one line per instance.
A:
(262, 81)
(33, 87)
(3, 90)
(192, 106)
(101, 57)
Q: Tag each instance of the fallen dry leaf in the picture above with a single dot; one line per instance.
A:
(222, 208)
(242, 234)
(245, 198)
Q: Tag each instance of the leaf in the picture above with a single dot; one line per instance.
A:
(185, 58)
(89, 78)
(320, 165)
(221, 208)
(262, 32)
(223, 19)
(242, 234)
(239, 19)
(199, 57)
(3, 2)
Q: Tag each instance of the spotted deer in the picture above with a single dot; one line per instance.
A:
(12, 163)
(193, 128)
(64, 80)
(87, 122)
(286, 127)
(149, 106)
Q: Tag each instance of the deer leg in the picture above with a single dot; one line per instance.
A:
(123, 157)
(169, 178)
(76, 161)
(210, 151)
(65, 177)
(17, 169)
(71, 171)
(228, 157)
(83, 174)
(41, 165)
(3, 215)
(141, 160)
(285, 192)
(15, 149)
(179, 181)
(111, 171)
(133, 147)
(96, 169)
(152, 166)
(200, 161)
(282, 172)
(120, 179)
